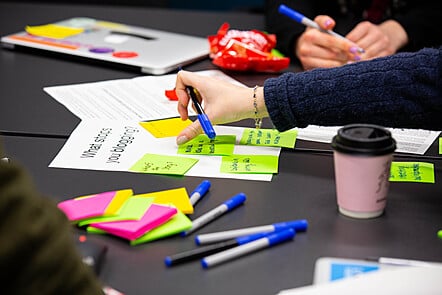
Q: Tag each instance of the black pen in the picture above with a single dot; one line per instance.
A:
(202, 117)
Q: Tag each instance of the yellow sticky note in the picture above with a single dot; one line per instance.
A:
(440, 145)
(177, 197)
(166, 127)
(412, 172)
(53, 31)
(257, 164)
(163, 164)
(269, 137)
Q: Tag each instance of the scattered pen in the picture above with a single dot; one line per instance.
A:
(404, 262)
(204, 251)
(267, 241)
(202, 117)
(216, 212)
(297, 225)
(300, 18)
(199, 192)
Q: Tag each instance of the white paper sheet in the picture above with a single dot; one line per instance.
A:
(138, 99)
(414, 141)
(115, 146)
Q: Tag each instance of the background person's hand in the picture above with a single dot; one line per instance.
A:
(379, 40)
(316, 49)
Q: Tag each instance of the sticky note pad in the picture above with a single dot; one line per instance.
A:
(162, 164)
(412, 172)
(440, 145)
(166, 127)
(202, 145)
(269, 137)
(263, 164)
(53, 31)
(177, 224)
(178, 197)
(155, 216)
(102, 204)
(133, 209)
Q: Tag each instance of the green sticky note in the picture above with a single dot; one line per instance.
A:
(269, 137)
(440, 145)
(254, 164)
(162, 164)
(133, 209)
(179, 223)
(221, 145)
(412, 172)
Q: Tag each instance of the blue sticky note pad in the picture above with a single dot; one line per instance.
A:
(345, 270)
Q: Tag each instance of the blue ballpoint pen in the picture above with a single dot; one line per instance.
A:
(202, 117)
(300, 18)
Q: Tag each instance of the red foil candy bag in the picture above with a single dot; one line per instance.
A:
(245, 51)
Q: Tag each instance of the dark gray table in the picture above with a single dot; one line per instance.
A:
(303, 188)
(26, 108)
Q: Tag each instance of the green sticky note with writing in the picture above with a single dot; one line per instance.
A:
(254, 164)
(412, 172)
(269, 137)
(162, 164)
(221, 145)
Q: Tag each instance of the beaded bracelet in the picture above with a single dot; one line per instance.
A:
(258, 121)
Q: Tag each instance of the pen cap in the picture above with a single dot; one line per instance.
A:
(202, 188)
(280, 236)
(290, 13)
(207, 126)
(297, 225)
(235, 201)
(249, 238)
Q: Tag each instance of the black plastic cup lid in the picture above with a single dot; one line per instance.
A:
(366, 139)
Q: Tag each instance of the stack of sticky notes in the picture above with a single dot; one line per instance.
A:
(138, 218)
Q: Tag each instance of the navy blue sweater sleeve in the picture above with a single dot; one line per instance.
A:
(403, 90)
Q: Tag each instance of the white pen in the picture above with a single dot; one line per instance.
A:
(300, 18)
(199, 192)
(297, 225)
(228, 205)
(268, 241)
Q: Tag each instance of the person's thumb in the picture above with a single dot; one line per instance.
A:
(189, 133)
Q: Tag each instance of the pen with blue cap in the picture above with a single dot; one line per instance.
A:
(204, 251)
(199, 192)
(202, 117)
(300, 18)
(297, 225)
(267, 241)
(216, 212)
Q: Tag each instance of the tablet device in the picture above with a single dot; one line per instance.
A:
(151, 51)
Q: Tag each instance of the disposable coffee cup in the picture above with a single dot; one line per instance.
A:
(362, 155)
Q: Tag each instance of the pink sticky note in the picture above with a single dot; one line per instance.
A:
(86, 207)
(155, 216)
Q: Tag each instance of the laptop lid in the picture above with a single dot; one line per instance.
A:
(152, 51)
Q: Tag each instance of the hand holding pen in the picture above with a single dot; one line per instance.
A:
(320, 46)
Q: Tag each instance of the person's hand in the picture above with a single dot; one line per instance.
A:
(223, 102)
(378, 40)
(316, 49)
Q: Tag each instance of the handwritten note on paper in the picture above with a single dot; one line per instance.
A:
(221, 145)
(161, 164)
(166, 127)
(269, 137)
(412, 172)
(260, 164)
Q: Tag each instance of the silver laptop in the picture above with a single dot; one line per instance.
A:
(152, 51)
